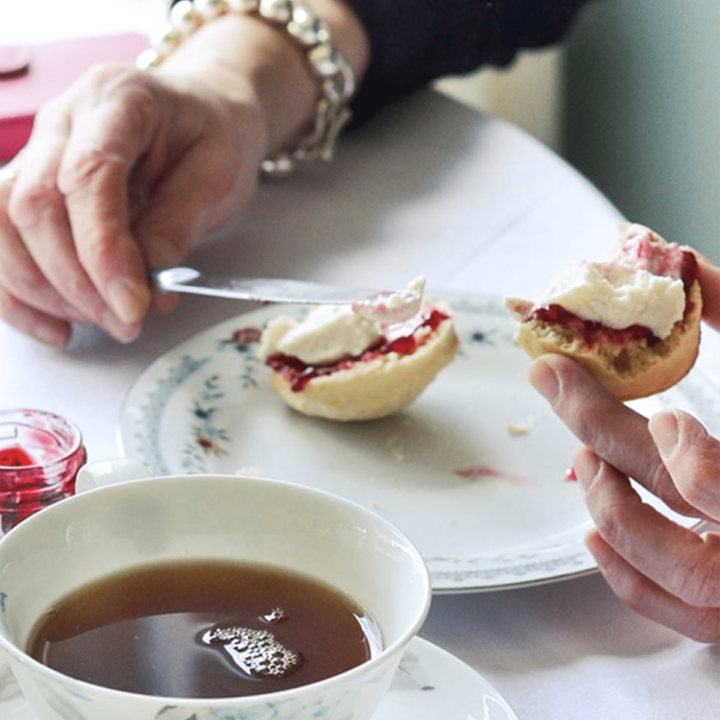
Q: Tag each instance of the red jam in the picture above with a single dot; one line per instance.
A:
(40, 455)
(593, 332)
(298, 374)
(15, 457)
(688, 272)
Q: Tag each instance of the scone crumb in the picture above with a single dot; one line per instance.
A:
(397, 452)
(517, 430)
(248, 472)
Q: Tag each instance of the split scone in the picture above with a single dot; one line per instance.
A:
(633, 321)
(363, 361)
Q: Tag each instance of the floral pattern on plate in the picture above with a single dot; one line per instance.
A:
(475, 472)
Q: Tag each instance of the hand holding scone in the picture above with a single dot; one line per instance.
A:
(633, 321)
(664, 571)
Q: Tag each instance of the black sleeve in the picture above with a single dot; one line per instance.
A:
(415, 41)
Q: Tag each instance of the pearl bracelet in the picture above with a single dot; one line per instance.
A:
(334, 74)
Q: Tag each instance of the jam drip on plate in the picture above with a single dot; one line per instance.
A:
(405, 342)
(593, 332)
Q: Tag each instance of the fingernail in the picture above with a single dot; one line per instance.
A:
(543, 378)
(130, 334)
(128, 300)
(664, 430)
(123, 332)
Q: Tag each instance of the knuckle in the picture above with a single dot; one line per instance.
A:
(613, 505)
(631, 587)
(47, 113)
(108, 81)
(134, 97)
(608, 519)
(695, 479)
(220, 184)
(8, 305)
(705, 629)
(656, 476)
(584, 424)
(79, 169)
(28, 203)
(97, 250)
(122, 114)
(693, 489)
(25, 282)
(700, 579)
(580, 414)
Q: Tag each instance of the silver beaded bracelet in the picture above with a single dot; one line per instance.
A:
(334, 74)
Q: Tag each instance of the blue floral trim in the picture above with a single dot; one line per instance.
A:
(148, 438)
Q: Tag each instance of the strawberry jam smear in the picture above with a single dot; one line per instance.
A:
(299, 374)
(593, 332)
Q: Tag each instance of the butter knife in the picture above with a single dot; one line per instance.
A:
(264, 290)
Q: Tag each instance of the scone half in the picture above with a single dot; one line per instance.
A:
(630, 368)
(650, 279)
(376, 385)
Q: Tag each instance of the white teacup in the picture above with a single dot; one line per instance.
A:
(208, 517)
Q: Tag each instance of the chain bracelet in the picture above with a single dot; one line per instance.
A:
(334, 75)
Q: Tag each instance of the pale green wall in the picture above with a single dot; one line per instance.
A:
(642, 112)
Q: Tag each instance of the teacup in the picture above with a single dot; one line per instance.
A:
(137, 522)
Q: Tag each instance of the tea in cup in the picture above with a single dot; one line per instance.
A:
(305, 599)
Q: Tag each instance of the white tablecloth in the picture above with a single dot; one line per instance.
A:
(429, 188)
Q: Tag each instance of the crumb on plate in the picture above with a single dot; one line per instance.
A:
(517, 430)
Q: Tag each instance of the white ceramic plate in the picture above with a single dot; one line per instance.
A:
(429, 683)
(474, 472)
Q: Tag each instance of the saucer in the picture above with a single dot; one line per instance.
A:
(429, 683)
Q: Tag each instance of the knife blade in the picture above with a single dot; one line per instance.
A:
(264, 290)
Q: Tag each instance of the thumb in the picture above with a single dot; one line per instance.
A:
(692, 458)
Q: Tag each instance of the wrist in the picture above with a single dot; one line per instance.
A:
(244, 61)
(255, 57)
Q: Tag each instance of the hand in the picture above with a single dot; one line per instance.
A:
(121, 174)
(666, 572)
(127, 168)
(661, 569)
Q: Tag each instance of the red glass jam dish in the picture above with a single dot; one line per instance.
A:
(378, 380)
(632, 321)
(40, 455)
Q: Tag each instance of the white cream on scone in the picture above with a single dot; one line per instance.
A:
(327, 334)
(330, 333)
(639, 285)
(618, 296)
